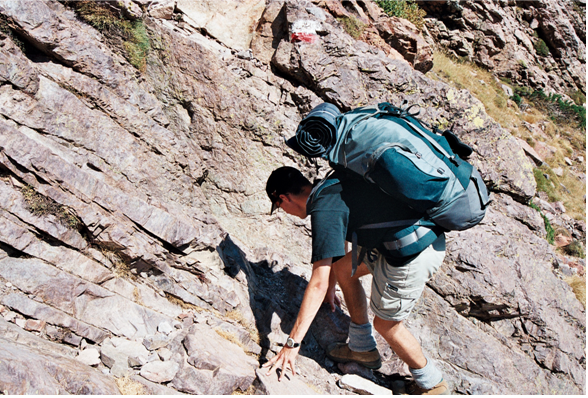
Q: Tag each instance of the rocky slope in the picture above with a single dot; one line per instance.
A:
(135, 243)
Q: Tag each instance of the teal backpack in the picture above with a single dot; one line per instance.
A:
(390, 147)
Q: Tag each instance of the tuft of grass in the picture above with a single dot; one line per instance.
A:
(112, 23)
(41, 205)
(575, 249)
(406, 9)
(181, 303)
(230, 337)
(128, 386)
(541, 48)
(120, 267)
(578, 285)
(353, 26)
(237, 316)
(250, 391)
(548, 227)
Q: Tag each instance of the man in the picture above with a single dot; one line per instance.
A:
(338, 206)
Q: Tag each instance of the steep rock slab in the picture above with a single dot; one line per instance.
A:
(230, 22)
(269, 385)
(76, 297)
(31, 365)
(216, 366)
(79, 47)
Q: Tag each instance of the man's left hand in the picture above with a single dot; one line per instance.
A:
(285, 358)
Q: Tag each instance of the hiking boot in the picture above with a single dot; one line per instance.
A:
(440, 389)
(340, 352)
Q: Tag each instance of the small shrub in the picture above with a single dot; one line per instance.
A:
(541, 48)
(353, 26)
(111, 23)
(517, 99)
(578, 97)
(548, 228)
(41, 205)
(406, 9)
(575, 249)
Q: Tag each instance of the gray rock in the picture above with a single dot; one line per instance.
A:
(215, 364)
(160, 371)
(31, 365)
(90, 357)
(359, 385)
(269, 385)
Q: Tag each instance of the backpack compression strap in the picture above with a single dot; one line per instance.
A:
(391, 245)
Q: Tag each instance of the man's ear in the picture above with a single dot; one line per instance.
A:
(285, 196)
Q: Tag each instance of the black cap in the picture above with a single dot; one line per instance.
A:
(282, 181)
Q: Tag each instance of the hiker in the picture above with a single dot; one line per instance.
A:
(338, 206)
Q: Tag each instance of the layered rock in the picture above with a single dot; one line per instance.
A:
(541, 44)
(170, 272)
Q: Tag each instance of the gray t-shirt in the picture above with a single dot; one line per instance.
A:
(341, 204)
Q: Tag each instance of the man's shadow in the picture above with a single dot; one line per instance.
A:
(275, 296)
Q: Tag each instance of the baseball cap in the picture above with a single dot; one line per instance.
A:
(283, 180)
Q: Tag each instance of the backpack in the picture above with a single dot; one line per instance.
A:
(390, 147)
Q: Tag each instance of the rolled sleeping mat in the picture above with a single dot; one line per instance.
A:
(317, 132)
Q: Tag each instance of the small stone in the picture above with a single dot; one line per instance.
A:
(568, 161)
(507, 90)
(8, 284)
(106, 371)
(160, 372)
(153, 343)
(359, 385)
(34, 325)
(3, 310)
(153, 357)
(177, 324)
(90, 357)
(558, 171)
(135, 362)
(165, 328)
(9, 316)
(165, 354)
(562, 240)
(73, 339)
(20, 322)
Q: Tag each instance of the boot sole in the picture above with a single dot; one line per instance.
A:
(370, 365)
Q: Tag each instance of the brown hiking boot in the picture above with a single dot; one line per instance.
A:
(340, 352)
(440, 389)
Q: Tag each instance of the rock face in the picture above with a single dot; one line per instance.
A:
(135, 240)
(541, 43)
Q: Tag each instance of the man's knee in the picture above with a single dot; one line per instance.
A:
(383, 326)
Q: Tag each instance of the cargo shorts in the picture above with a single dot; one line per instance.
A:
(395, 289)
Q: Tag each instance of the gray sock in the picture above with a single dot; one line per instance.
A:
(361, 338)
(427, 377)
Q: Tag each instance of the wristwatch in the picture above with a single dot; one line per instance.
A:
(290, 343)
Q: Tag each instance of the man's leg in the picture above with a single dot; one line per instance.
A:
(362, 344)
(402, 342)
(353, 291)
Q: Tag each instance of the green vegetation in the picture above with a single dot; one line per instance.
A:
(575, 249)
(559, 134)
(7, 30)
(546, 184)
(41, 205)
(406, 9)
(353, 26)
(548, 228)
(541, 48)
(133, 34)
(559, 110)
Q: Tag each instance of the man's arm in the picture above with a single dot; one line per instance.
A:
(313, 298)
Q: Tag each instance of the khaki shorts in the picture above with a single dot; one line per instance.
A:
(395, 290)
